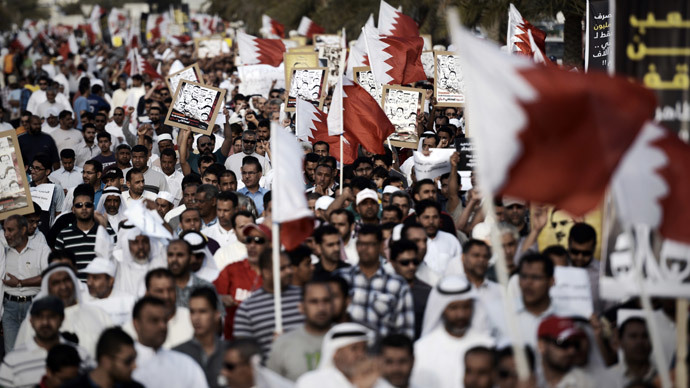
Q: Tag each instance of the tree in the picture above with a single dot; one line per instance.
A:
(15, 12)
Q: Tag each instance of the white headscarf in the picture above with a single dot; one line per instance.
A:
(339, 336)
(209, 270)
(448, 290)
(57, 268)
(114, 220)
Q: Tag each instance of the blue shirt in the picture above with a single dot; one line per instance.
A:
(257, 197)
(81, 104)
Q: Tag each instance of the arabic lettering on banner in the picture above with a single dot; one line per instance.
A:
(653, 46)
(598, 36)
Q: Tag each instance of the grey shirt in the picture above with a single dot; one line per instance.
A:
(295, 353)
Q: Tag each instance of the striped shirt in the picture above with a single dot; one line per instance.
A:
(26, 364)
(255, 317)
(81, 244)
(382, 302)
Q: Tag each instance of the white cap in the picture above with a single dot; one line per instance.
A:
(366, 194)
(323, 202)
(100, 265)
(166, 195)
(455, 122)
(52, 111)
(390, 189)
(165, 136)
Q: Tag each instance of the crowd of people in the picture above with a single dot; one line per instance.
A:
(397, 285)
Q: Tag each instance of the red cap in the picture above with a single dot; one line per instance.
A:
(259, 228)
(558, 328)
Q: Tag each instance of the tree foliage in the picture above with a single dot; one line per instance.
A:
(15, 12)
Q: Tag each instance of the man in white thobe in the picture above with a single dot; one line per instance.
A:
(100, 277)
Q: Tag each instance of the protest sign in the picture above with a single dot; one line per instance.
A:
(335, 59)
(321, 40)
(427, 41)
(210, 47)
(598, 36)
(195, 106)
(365, 78)
(259, 79)
(15, 197)
(652, 46)
(428, 64)
(308, 84)
(448, 79)
(189, 73)
(292, 60)
(402, 105)
(434, 165)
(466, 149)
(43, 195)
(572, 292)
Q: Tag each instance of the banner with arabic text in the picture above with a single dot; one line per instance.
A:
(598, 35)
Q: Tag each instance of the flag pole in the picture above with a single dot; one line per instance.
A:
(275, 245)
(342, 127)
(516, 340)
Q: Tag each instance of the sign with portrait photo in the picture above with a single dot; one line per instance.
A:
(195, 106)
(326, 40)
(189, 73)
(308, 84)
(302, 59)
(15, 197)
(428, 64)
(448, 79)
(402, 105)
(365, 78)
(335, 59)
(210, 47)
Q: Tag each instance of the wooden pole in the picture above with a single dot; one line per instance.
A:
(682, 343)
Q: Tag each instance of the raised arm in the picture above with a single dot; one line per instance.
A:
(184, 152)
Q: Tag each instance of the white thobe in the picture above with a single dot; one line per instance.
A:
(180, 329)
(84, 320)
(130, 274)
(167, 368)
(439, 358)
(218, 233)
(441, 250)
(331, 378)
(234, 163)
(118, 305)
(229, 254)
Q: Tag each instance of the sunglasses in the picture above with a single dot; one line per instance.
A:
(256, 239)
(406, 263)
(578, 252)
(80, 205)
(504, 374)
(230, 366)
(565, 344)
(249, 141)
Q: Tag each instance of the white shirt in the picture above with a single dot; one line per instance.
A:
(82, 319)
(218, 233)
(118, 305)
(174, 184)
(439, 358)
(70, 138)
(67, 179)
(130, 275)
(47, 129)
(85, 152)
(234, 163)
(441, 250)
(167, 368)
(229, 254)
(351, 252)
(529, 323)
(42, 109)
(180, 328)
(62, 80)
(331, 378)
(30, 262)
(39, 96)
(115, 131)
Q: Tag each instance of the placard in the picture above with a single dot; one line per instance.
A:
(465, 147)
(427, 41)
(335, 58)
(42, 195)
(402, 105)
(293, 60)
(258, 79)
(448, 79)
(434, 165)
(195, 106)
(326, 40)
(15, 197)
(365, 78)
(571, 293)
(597, 36)
(210, 47)
(189, 73)
(308, 84)
(428, 64)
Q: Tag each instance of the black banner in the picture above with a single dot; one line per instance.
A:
(105, 29)
(465, 148)
(143, 21)
(598, 36)
(653, 45)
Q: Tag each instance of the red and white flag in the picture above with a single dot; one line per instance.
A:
(311, 126)
(394, 23)
(358, 52)
(537, 54)
(394, 60)
(290, 207)
(652, 183)
(272, 28)
(257, 51)
(22, 41)
(137, 65)
(544, 134)
(518, 41)
(308, 28)
(363, 120)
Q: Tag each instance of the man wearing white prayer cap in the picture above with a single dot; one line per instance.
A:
(344, 346)
(165, 202)
(321, 206)
(112, 206)
(453, 323)
(100, 278)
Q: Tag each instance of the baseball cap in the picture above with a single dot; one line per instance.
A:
(366, 194)
(260, 228)
(100, 265)
(113, 173)
(390, 189)
(323, 202)
(48, 303)
(510, 201)
(558, 328)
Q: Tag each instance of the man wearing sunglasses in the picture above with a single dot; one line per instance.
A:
(234, 162)
(558, 342)
(405, 261)
(582, 240)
